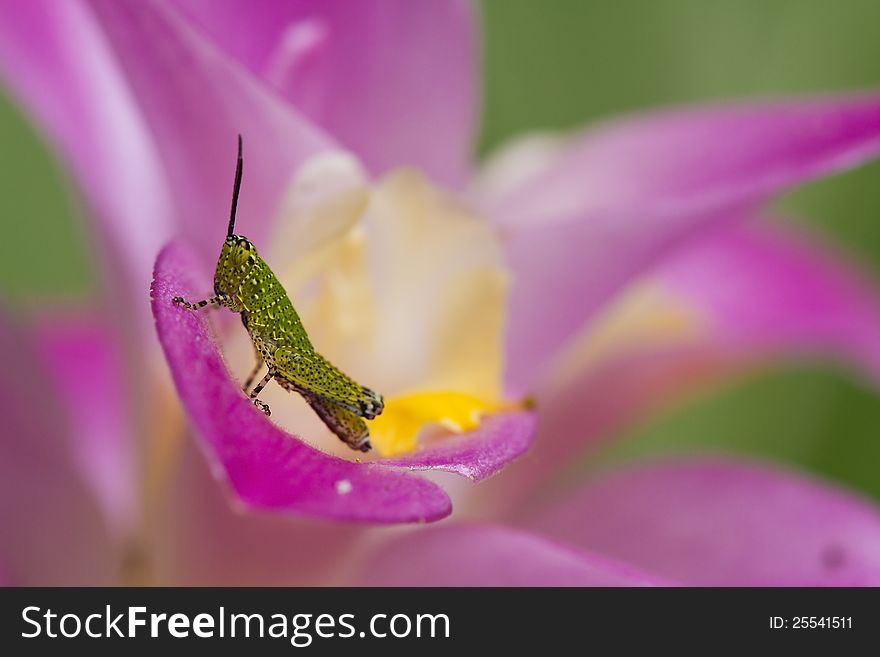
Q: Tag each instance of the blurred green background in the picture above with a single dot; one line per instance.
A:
(557, 65)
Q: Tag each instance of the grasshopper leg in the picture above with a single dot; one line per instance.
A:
(263, 406)
(219, 300)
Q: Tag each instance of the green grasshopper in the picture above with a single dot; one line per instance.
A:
(244, 283)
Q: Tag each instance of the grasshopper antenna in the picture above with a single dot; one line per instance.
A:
(235, 189)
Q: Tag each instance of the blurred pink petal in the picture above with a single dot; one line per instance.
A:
(696, 160)
(477, 454)
(484, 555)
(196, 99)
(56, 60)
(53, 529)
(610, 202)
(760, 293)
(723, 523)
(81, 355)
(267, 468)
(767, 289)
(373, 74)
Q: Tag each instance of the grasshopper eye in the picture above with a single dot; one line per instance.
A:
(244, 254)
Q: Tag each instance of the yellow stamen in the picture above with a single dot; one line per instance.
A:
(397, 430)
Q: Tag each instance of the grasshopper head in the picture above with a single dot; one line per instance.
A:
(238, 257)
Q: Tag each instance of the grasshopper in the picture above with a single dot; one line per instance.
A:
(245, 284)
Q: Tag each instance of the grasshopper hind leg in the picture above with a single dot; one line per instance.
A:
(372, 404)
(312, 373)
(348, 427)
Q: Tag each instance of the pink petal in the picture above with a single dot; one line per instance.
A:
(195, 100)
(56, 61)
(81, 356)
(200, 540)
(484, 555)
(480, 453)
(267, 468)
(53, 532)
(722, 523)
(766, 289)
(611, 201)
(394, 81)
(759, 292)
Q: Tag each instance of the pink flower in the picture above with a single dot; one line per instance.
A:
(598, 274)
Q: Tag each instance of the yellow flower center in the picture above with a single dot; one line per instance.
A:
(404, 288)
(408, 416)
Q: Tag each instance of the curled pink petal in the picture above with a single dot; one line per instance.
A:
(267, 468)
(203, 541)
(53, 531)
(477, 454)
(610, 202)
(485, 555)
(373, 74)
(723, 523)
